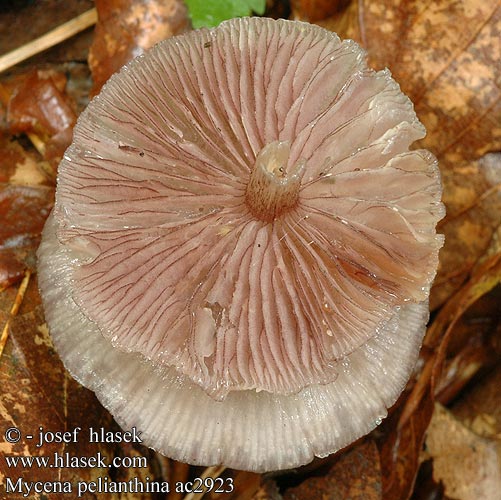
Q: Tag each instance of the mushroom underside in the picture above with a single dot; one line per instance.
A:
(242, 246)
(251, 430)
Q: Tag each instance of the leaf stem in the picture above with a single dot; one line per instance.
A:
(14, 309)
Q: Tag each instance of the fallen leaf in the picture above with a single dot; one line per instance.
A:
(347, 21)
(473, 194)
(356, 475)
(25, 201)
(11, 269)
(466, 463)
(126, 28)
(38, 104)
(452, 76)
(314, 10)
(485, 278)
(12, 157)
(400, 447)
(39, 398)
(23, 210)
(480, 408)
(472, 348)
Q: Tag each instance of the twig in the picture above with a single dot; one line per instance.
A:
(213, 472)
(53, 37)
(14, 309)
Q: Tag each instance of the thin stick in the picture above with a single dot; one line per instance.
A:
(14, 309)
(213, 472)
(53, 37)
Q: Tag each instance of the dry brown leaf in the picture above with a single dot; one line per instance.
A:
(473, 195)
(466, 463)
(356, 475)
(25, 201)
(400, 449)
(38, 104)
(439, 334)
(458, 372)
(126, 28)
(401, 446)
(314, 10)
(38, 392)
(472, 348)
(19, 166)
(15, 161)
(453, 77)
(23, 210)
(11, 269)
(480, 408)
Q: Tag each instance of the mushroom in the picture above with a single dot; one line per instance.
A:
(241, 250)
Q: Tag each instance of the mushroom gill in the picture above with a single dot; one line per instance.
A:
(240, 255)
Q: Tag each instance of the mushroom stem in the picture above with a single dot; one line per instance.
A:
(272, 190)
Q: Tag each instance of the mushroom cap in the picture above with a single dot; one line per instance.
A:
(240, 255)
